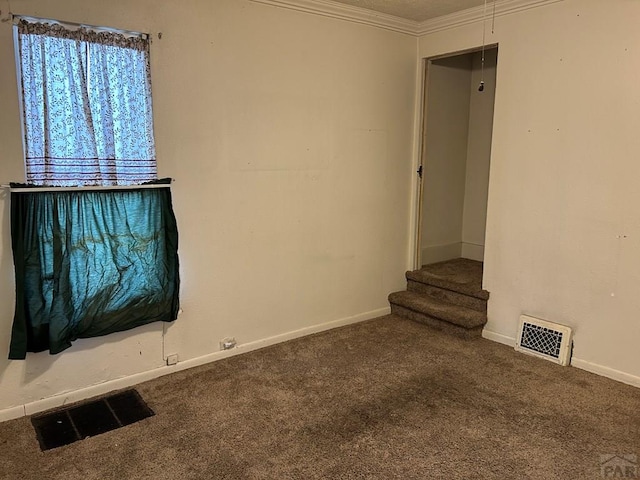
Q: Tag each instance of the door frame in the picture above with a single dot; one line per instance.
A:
(423, 89)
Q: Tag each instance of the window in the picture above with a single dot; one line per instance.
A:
(88, 262)
(86, 105)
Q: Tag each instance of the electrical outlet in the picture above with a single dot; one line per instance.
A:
(228, 343)
(172, 359)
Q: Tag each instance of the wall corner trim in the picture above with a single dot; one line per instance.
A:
(329, 8)
(476, 14)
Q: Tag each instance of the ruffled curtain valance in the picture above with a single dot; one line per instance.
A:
(83, 34)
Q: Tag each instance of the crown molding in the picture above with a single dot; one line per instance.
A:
(477, 14)
(328, 8)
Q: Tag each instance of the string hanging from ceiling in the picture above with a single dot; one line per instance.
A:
(484, 37)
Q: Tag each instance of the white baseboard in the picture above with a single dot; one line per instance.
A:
(473, 251)
(11, 413)
(267, 342)
(575, 362)
(130, 380)
(606, 372)
(440, 253)
(498, 337)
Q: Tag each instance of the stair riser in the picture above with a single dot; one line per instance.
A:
(435, 308)
(471, 289)
(448, 296)
(436, 323)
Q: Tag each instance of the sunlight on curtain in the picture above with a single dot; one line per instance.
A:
(82, 271)
(121, 111)
(87, 108)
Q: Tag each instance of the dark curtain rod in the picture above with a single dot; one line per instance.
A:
(163, 183)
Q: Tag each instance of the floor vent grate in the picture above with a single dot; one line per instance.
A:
(71, 424)
(544, 339)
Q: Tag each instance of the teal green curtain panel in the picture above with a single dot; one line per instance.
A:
(90, 263)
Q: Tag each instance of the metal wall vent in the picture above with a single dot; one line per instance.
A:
(543, 339)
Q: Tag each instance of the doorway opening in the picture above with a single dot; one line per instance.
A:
(457, 127)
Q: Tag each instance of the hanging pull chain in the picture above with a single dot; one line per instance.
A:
(484, 32)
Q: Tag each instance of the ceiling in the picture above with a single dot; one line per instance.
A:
(416, 10)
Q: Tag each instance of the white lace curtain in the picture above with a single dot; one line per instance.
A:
(87, 107)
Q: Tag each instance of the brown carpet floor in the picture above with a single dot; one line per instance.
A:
(383, 399)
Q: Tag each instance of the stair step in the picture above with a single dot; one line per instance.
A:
(437, 309)
(460, 275)
(450, 296)
(436, 323)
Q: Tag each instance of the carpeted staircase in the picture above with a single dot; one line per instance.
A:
(447, 296)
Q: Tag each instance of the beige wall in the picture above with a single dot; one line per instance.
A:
(563, 223)
(474, 216)
(290, 139)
